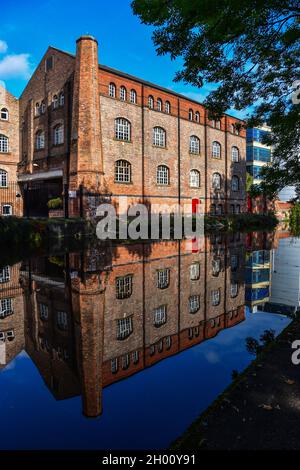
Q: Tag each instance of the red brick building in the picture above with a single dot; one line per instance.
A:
(86, 124)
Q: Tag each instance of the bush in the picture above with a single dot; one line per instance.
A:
(55, 203)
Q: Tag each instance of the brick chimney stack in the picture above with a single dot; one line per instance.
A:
(86, 164)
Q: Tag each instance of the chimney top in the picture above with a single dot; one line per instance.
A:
(87, 37)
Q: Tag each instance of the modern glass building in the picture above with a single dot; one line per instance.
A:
(258, 154)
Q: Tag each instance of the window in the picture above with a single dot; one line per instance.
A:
(114, 365)
(124, 328)
(4, 114)
(122, 129)
(163, 278)
(160, 316)
(160, 346)
(215, 297)
(218, 124)
(219, 209)
(125, 361)
(62, 320)
(191, 115)
(58, 134)
(40, 140)
(6, 308)
(234, 129)
(43, 107)
(216, 150)
(55, 102)
(234, 262)
(234, 287)
(194, 144)
(194, 303)
(37, 109)
(49, 63)
(162, 176)
(168, 341)
(112, 90)
(216, 181)
(123, 93)
(197, 116)
(235, 183)
(133, 96)
(61, 99)
(235, 154)
(3, 179)
(151, 102)
(159, 104)
(237, 209)
(122, 171)
(167, 107)
(4, 274)
(124, 287)
(231, 208)
(44, 311)
(194, 179)
(7, 209)
(159, 137)
(216, 266)
(3, 143)
(135, 357)
(10, 335)
(213, 209)
(194, 271)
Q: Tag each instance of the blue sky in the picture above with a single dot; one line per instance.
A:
(28, 28)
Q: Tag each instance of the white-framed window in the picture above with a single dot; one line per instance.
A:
(37, 109)
(194, 179)
(123, 93)
(4, 144)
(114, 365)
(7, 209)
(235, 154)
(216, 266)
(6, 307)
(163, 278)
(3, 179)
(168, 341)
(191, 115)
(234, 262)
(43, 107)
(150, 102)
(159, 137)
(125, 361)
(235, 183)
(218, 124)
(40, 140)
(61, 99)
(167, 107)
(216, 181)
(122, 171)
(124, 327)
(216, 150)
(10, 335)
(234, 288)
(112, 90)
(194, 144)
(44, 311)
(4, 274)
(159, 104)
(162, 175)
(215, 297)
(122, 129)
(58, 132)
(197, 116)
(135, 357)
(194, 271)
(194, 303)
(133, 96)
(4, 114)
(124, 286)
(160, 315)
(62, 320)
(55, 101)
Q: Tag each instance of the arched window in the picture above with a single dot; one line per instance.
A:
(216, 181)
(3, 179)
(58, 134)
(191, 115)
(40, 140)
(234, 288)
(122, 129)
(197, 116)
(4, 114)
(124, 327)
(151, 102)
(160, 316)
(194, 303)
(162, 175)
(159, 104)
(37, 109)
(215, 297)
(122, 171)
(123, 93)
(194, 144)
(159, 137)
(194, 179)
(133, 96)
(218, 124)
(216, 266)
(235, 183)
(4, 147)
(235, 154)
(112, 90)
(43, 107)
(55, 101)
(216, 150)
(61, 98)
(167, 107)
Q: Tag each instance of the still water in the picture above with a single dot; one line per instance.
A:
(123, 346)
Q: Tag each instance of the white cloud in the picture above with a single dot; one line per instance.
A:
(15, 66)
(3, 46)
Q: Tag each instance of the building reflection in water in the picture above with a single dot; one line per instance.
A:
(93, 318)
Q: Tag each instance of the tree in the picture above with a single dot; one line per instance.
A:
(251, 51)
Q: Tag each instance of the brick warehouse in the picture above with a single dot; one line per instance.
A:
(86, 124)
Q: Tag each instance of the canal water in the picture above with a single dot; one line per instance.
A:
(123, 346)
